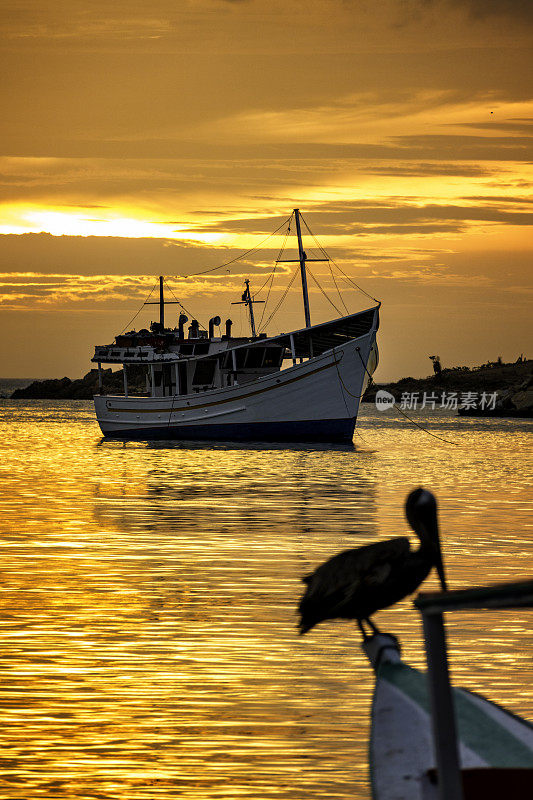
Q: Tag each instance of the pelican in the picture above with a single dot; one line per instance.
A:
(357, 583)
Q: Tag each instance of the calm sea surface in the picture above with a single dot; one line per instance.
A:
(148, 598)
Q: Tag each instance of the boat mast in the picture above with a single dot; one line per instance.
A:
(302, 259)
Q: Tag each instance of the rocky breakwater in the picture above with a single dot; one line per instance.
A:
(83, 388)
(493, 389)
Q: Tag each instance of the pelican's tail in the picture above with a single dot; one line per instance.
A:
(304, 626)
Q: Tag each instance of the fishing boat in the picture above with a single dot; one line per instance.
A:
(430, 741)
(190, 384)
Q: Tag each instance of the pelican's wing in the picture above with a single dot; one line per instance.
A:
(378, 563)
(351, 568)
(334, 584)
(364, 563)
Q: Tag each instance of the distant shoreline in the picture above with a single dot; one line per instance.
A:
(487, 379)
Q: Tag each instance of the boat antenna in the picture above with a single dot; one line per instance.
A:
(302, 258)
(248, 300)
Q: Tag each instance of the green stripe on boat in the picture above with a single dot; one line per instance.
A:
(478, 731)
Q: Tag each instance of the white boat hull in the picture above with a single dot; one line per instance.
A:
(317, 400)
(495, 747)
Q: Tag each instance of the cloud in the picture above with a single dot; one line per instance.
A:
(429, 168)
(389, 216)
(113, 271)
(435, 277)
(500, 198)
(54, 21)
(518, 10)
(460, 147)
(510, 126)
(34, 290)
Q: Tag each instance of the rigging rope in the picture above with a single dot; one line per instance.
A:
(337, 287)
(270, 278)
(281, 301)
(332, 260)
(267, 297)
(284, 242)
(212, 269)
(350, 280)
(241, 255)
(339, 312)
(139, 311)
(191, 315)
(272, 274)
(329, 260)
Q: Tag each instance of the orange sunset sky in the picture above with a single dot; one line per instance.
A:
(147, 138)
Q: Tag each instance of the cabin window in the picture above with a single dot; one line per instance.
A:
(227, 360)
(166, 372)
(201, 349)
(255, 357)
(240, 356)
(186, 349)
(272, 357)
(204, 372)
(182, 377)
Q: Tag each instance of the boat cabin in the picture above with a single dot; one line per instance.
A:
(162, 362)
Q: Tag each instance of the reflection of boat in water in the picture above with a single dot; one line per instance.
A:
(160, 498)
(203, 386)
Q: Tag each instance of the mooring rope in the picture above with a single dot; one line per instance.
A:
(397, 407)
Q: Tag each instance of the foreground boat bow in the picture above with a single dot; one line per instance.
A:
(495, 747)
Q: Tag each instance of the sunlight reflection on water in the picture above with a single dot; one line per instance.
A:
(149, 593)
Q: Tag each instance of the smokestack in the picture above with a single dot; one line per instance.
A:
(229, 323)
(212, 322)
(194, 329)
(181, 324)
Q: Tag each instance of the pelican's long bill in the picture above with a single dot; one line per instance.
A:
(421, 512)
(439, 566)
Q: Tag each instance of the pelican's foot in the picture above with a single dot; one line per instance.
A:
(380, 648)
(367, 634)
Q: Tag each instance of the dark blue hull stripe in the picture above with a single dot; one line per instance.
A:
(324, 430)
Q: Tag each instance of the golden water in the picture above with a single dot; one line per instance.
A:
(148, 600)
